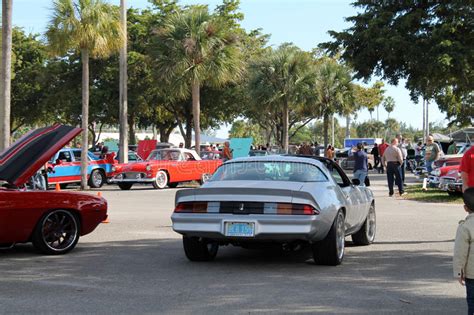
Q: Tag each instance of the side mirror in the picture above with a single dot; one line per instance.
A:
(355, 181)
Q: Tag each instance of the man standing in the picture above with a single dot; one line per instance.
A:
(467, 169)
(227, 151)
(360, 164)
(392, 159)
(375, 153)
(382, 147)
(403, 148)
(432, 152)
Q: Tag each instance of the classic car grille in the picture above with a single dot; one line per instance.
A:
(133, 175)
(236, 207)
(445, 181)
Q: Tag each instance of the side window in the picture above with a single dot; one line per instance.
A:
(189, 157)
(65, 156)
(337, 175)
(77, 155)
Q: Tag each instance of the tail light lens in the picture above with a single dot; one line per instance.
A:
(296, 209)
(191, 207)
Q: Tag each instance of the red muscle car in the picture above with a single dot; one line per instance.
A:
(53, 221)
(165, 167)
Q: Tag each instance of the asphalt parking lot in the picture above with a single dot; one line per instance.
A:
(135, 264)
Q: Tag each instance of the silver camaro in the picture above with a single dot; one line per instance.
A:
(285, 200)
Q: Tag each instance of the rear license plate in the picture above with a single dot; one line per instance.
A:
(240, 229)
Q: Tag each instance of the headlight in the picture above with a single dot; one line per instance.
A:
(148, 167)
(113, 169)
(436, 172)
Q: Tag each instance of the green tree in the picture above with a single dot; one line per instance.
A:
(245, 129)
(281, 84)
(370, 129)
(428, 43)
(334, 92)
(93, 28)
(196, 48)
(389, 105)
(392, 127)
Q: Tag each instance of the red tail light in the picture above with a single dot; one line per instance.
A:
(296, 209)
(191, 207)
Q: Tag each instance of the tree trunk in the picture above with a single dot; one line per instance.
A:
(285, 127)
(424, 121)
(189, 127)
(85, 118)
(196, 116)
(5, 89)
(348, 126)
(326, 132)
(123, 143)
(131, 129)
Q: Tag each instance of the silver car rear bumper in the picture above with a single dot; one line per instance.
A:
(267, 227)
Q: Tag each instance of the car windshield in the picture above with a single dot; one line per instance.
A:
(270, 171)
(164, 155)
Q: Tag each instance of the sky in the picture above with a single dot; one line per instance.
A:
(304, 23)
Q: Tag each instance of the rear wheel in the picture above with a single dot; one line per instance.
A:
(57, 232)
(173, 185)
(97, 179)
(330, 251)
(366, 234)
(125, 186)
(161, 180)
(204, 178)
(199, 249)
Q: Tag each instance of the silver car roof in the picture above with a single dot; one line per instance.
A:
(278, 158)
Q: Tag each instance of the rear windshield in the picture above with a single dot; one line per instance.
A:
(270, 171)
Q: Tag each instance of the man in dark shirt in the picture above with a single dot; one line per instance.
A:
(375, 153)
(360, 164)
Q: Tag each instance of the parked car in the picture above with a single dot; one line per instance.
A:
(451, 181)
(66, 164)
(258, 153)
(434, 178)
(347, 162)
(282, 200)
(165, 167)
(211, 155)
(52, 221)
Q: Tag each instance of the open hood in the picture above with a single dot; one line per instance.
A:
(27, 155)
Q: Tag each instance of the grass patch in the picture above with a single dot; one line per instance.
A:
(431, 195)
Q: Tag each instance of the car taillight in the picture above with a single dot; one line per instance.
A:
(191, 207)
(296, 209)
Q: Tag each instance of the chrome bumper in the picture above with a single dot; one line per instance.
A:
(132, 180)
(267, 227)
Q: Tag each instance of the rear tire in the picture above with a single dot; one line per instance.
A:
(97, 179)
(125, 186)
(57, 232)
(330, 251)
(366, 234)
(199, 249)
(173, 185)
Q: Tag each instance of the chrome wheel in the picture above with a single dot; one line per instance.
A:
(371, 224)
(161, 180)
(340, 236)
(97, 179)
(57, 232)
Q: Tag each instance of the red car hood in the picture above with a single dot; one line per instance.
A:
(26, 156)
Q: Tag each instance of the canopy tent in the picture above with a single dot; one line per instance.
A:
(438, 137)
(463, 135)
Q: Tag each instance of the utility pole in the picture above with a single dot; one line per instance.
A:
(333, 144)
(427, 119)
(5, 73)
(123, 142)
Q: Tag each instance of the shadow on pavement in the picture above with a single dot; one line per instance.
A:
(152, 275)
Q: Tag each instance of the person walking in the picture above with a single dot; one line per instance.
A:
(330, 152)
(360, 164)
(382, 147)
(392, 159)
(375, 153)
(432, 152)
(467, 169)
(463, 258)
(227, 152)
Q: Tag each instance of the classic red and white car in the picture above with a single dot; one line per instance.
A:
(165, 167)
(450, 180)
(52, 220)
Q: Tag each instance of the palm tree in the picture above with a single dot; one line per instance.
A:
(389, 105)
(334, 92)
(282, 79)
(93, 28)
(195, 48)
(5, 93)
